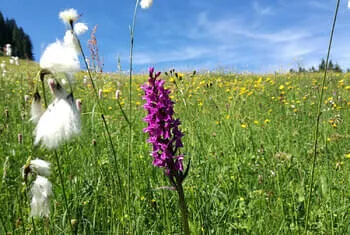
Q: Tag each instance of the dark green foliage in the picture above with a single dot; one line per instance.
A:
(321, 68)
(331, 67)
(14, 35)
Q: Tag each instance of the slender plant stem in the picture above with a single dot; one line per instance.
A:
(183, 208)
(130, 139)
(43, 87)
(113, 152)
(63, 189)
(27, 200)
(319, 113)
(123, 112)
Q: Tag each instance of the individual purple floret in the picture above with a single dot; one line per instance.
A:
(163, 129)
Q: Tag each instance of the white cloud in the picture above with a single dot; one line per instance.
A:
(260, 10)
(244, 41)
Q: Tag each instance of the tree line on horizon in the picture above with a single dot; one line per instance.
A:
(335, 67)
(11, 33)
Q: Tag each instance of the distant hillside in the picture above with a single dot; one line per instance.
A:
(20, 42)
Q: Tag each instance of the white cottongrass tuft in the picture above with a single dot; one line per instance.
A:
(40, 167)
(59, 123)
(40, 193)
(61, 56)
(146, 4)
(36, 109)
(69, 16)
(80, 28)
(71, 41)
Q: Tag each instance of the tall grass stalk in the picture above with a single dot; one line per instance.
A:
(130, 139)
(63, 190)
(113, 152)
(317, 124)
(32, 219)
(102, 109)
(42, 76)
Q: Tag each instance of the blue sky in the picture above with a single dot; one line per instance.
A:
(256, 36)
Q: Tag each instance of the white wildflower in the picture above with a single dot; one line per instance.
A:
(36, 109)
(146, 4)
(59, 123)
(85, 80)
(5, 167)
(40, 167)
(8, 50)
(117, 94)
(16, 60)
(80, 28)
(68, 16)
(63, 81)
(40, 193)
(26, 98)
(79, 103)
(3, 65)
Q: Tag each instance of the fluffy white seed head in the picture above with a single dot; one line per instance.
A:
(80, 28)
(71, 41)
(40, 167)
(69, 16)
(61, 57)
(40, 193)
(36, 109)
(59, 123)
(146, 4)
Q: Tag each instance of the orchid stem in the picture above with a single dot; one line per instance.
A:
(183, 207)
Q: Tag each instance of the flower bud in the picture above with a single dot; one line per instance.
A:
(20, 138)
(117, 94)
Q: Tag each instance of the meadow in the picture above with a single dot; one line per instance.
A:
(249, 138)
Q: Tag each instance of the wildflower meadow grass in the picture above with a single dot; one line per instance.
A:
(78, 146)
(249, 138)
